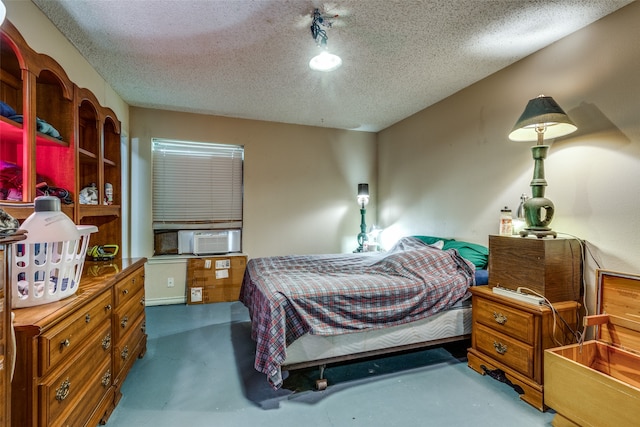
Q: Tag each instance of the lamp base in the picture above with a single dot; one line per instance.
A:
(538, 233)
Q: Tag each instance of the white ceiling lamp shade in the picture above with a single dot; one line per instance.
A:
(324, 61)
(3, 12)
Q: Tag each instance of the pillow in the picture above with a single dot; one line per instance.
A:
(439, 244)
(477, 254)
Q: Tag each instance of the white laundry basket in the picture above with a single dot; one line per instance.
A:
(47, 265)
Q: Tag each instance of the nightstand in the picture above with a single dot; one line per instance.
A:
(550, 267)
(509, 338)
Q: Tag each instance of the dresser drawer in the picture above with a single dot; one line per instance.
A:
(511, 352)
(128, 346)
(70, 393)
(126, 288)
(515, 323)
(64, 339)
(127, 315)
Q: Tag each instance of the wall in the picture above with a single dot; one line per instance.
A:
(300, 186)
(449, 169)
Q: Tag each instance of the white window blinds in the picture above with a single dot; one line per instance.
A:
(196, 183)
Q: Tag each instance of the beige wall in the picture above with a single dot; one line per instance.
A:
(449, 169)
(300, 186)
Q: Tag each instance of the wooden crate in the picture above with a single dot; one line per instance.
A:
(215, 278)
(598, 383)
(550, 267)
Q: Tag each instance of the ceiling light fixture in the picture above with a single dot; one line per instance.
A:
(324, 61)
(3, 12)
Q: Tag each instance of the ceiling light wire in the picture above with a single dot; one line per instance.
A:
(317, 32)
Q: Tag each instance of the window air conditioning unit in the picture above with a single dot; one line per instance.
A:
(202, 242)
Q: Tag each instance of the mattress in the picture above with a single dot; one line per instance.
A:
(454, 322)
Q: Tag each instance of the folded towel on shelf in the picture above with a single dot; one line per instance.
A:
(6, 110)
(41, 126)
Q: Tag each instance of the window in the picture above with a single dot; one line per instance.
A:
(196, 186)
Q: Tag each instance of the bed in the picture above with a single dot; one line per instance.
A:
(309, 310)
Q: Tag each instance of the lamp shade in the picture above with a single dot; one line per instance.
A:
(542, 115)
(363, 190)
(3, 12)
(363, 195)
(325, 61)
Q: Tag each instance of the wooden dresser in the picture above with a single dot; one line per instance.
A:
(74, 354)
(509, 338)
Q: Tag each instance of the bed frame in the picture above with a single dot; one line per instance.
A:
(448, 326)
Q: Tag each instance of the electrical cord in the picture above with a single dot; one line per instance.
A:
(584, 250)
(577, 335)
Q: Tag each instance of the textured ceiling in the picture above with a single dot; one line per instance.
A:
(249, 58)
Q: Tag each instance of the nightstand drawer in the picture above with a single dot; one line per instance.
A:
(514, 323)
(500, 347)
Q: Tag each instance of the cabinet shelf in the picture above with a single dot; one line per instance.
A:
(12, 133)
(87, 211)
(86, 154)
(21, 211)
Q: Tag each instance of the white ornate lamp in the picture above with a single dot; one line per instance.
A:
(542, 118)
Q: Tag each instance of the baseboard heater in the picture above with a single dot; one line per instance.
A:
(203, 242)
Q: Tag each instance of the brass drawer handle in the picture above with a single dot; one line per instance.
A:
(65, 343)
(106, 342)
(143, 327)
(499, 347)
(499, 318)
(106, 379)
(107, 307)
(87, 318)
(125, 353)
(125, 291)
(124, 321)
(142, 301)
(63, 391)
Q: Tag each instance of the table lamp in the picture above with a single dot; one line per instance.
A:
(542, 118)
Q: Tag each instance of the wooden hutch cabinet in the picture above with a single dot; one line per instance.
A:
(60, 137)
(74, 354)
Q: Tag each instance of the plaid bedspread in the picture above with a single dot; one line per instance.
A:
(289, 296)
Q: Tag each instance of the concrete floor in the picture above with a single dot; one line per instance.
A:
(198, 371)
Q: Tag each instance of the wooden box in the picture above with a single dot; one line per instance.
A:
(598, 383)
(550, 267)
(215, 278)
